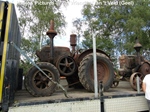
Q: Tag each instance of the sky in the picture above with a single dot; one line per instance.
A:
(71, 12)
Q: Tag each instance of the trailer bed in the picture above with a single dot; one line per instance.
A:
(122, 98)
(22, 97)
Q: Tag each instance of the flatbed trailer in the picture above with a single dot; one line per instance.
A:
(120, 99)
(12, 99)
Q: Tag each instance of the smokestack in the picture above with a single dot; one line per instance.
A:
(73, 40)
(51, 33)
(138, 47)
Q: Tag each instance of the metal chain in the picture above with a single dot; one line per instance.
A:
(34, 64)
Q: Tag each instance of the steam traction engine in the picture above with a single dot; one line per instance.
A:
(75, 66)
(132, 66)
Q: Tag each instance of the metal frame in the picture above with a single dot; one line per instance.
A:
(4, 54)
(9, 57)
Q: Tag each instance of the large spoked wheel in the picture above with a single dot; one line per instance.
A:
(37, 84)
(105, 72)
(133, 80)
(66, 65)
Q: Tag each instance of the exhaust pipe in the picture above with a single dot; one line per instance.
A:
(138, 47)
(51, 33)
(73, 41)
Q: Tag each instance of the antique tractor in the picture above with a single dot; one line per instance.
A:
(132, 66)
(77, 67)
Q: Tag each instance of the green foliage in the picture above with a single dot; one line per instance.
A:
(34, 22)
(104, 44)
(117, 25)
(25, 65)
(125, 21)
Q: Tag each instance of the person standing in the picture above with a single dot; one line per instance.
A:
(146, 88)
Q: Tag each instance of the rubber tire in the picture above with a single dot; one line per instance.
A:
(30, 85)
(85, 76)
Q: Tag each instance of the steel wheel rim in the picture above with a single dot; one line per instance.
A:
(102, 72)
(40, 81)
(133, 80)
(66, 66)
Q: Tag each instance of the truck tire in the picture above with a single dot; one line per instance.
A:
(37, 84)
(105, 72)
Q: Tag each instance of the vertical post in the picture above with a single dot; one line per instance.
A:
(138, 83)
(138, 47)
(73, 39)
(95, 67)
(51, 50)
(51, 33)
(101, 88)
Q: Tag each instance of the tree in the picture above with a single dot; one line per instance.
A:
(89, 23)
(78, 23)
(117, 23)
(34, 22)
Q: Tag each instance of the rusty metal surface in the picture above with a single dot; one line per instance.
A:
(134, 63)
(144, 68)
(44, 53)
(66, 65)
(51, 32)
(67, 62)
(73, 42)
(127, 61)
(133, 66)
(138, 47)
(73, 39)
(41, 81)
(133, 80)
(102, 72)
